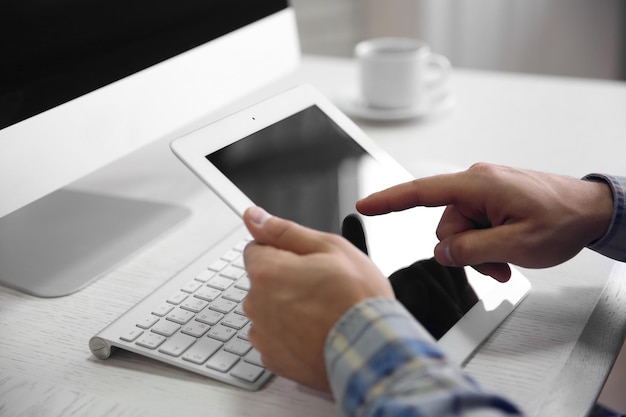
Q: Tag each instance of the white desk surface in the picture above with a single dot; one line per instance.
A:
(550, 356)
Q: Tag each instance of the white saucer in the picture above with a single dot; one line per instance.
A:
(355, 107)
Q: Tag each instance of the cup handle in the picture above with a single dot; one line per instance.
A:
(443, 67)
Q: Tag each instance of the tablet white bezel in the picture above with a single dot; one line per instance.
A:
(193, 148)
(467, 334)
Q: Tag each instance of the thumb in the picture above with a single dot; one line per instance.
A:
(486, 250)
(280, 233)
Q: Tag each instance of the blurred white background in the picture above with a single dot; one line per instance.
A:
(583, 38)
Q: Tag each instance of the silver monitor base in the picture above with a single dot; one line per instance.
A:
(66, 240)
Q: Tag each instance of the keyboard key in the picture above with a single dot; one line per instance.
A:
(219, 282)
(243, 283)
(222, 305)
(195, 328)
(222, 361)
(205, 275)
(207, 293)
(221, 333)
(202, 350)
(243, 333)
(218, 265)
(238, 346)
(253, 357)
(232, 272)
(231, 255)
(148, 322)
(150, 340)
(194, 304)
(239, 263)
(180, 316)
(235, 294)
(209, 317)
(239, 310)
(240, 246)
(236, 321)
(132, 334)
(247, 371)
(162, 310)
(177, 344)
(177, 298)
(165, 328)
(191, 286)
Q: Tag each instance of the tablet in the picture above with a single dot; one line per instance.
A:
(300, 158)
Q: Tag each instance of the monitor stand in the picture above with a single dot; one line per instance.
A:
(60, 243)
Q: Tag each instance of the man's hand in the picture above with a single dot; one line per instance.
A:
(301, 282)
(497, 215)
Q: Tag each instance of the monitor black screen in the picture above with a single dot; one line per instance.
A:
(53, 52)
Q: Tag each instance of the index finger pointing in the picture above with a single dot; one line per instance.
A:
(439, 190)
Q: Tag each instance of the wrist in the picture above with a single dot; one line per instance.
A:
(613, 242)
(600, 207)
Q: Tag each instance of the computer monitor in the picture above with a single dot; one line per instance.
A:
(83, 84)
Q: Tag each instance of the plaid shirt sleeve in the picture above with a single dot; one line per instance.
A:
(381, 362)
(613, 243)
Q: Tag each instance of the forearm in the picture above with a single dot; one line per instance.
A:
(613, 242)
(381, 362)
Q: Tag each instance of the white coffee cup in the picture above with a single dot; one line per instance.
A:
(399, 73)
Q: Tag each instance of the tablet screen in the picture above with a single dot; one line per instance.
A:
(307, 169)
(298, 168)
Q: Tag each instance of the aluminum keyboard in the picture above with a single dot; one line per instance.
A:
(195, 321)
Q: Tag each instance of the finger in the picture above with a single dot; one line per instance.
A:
(282, 234)
(501, 272)
(453, 222)
(439, 190)
(267, 265)
(266, 347)
(479, 246)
